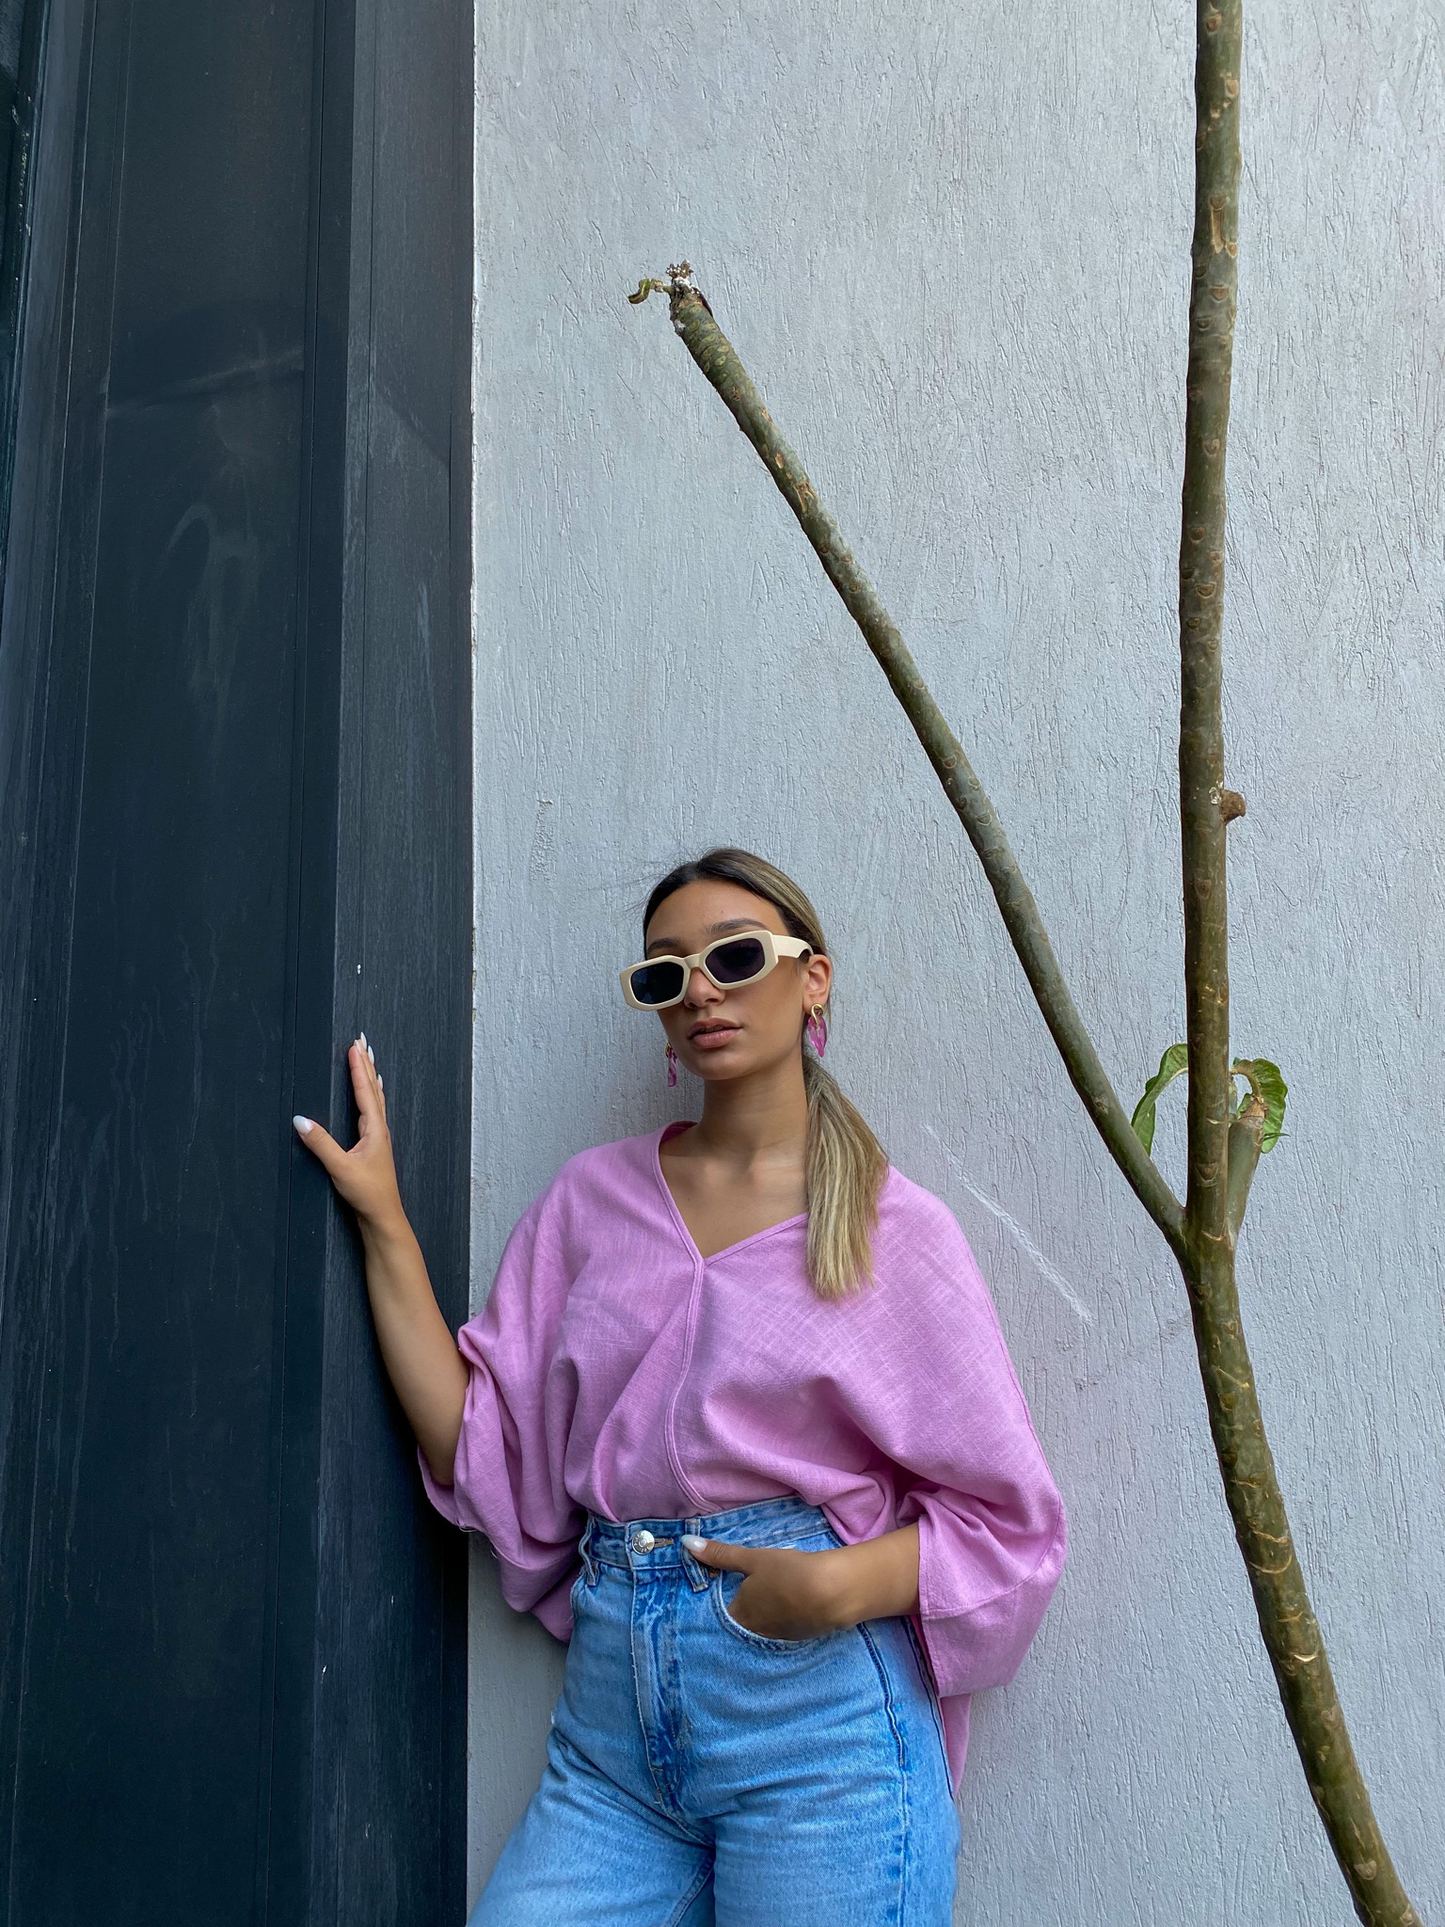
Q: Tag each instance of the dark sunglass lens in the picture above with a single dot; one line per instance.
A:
(735, 962)
(656, 983)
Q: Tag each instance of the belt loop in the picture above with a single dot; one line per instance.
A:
(698, 1574)
(584, 1549)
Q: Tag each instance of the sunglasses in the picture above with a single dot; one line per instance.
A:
(660, 982)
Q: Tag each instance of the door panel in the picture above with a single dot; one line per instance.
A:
(232, 1629)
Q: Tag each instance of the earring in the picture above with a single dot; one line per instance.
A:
(817, 1028)
(671, 1056)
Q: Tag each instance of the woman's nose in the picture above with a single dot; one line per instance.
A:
(700, 987)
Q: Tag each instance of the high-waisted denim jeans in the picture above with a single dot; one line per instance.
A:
(700, 1775)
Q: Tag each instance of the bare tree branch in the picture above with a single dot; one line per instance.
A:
(1245, 1134)
(718, 360)
(1223, 1155)
(1201, 612)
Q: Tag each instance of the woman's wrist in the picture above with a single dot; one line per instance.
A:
(396, 1270)
(388, 1228)
(874, 1579)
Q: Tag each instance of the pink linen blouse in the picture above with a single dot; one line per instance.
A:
(616, 1369)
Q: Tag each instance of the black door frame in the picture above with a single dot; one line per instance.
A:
(360, 1728)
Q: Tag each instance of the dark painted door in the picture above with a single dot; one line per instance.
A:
(234, 701)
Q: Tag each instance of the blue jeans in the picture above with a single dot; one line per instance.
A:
(700, 1775)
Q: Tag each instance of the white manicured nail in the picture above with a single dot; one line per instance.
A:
(364, 1044)
(693, 1543)
(372, 1055)
(303, 1124)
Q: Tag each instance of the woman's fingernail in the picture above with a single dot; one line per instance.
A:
(364, 1044)
(692, 1542)
(372, 1055)
(380, 1081)
(303, 1124)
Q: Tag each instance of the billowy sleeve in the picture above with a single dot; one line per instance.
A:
(507, 1479)
(939, 1395)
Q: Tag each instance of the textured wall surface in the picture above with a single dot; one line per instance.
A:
(951, 244)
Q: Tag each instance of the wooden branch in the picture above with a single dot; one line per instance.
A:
(1223, 1155)
(718, 360)
(1287, 1622)
(1201, 609)
(1244, 1138)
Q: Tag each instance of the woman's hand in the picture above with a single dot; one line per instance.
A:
(787, 1594)
(796, 1595)
(365, 1176)
(429, 1372)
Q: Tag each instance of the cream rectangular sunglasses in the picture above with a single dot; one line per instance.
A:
(659, 982)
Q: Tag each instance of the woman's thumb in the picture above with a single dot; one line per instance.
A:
(316, 1139)
(718, 1552)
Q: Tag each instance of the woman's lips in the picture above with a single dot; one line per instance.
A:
(714, 1039)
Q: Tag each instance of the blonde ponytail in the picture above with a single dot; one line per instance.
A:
(846, 1166)
(845, 1163)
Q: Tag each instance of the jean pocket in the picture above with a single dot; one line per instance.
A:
(725, 1591)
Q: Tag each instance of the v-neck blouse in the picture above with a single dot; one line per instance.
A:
(614, 1368)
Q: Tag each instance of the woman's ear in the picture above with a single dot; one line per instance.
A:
(818, 980)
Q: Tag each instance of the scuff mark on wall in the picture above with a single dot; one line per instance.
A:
(1048, 1272)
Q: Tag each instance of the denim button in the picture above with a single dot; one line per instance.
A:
(642, 1540)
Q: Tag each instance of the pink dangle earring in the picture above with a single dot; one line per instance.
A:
(817, 1028)
(671, 1056)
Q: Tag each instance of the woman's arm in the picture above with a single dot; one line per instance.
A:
(420, 1353)
(876, 1578)
(422, 1360)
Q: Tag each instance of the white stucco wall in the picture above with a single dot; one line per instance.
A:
(951, 244)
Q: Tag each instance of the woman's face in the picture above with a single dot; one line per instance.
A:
(731, 1033)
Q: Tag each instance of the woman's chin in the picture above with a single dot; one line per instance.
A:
(725, 1063)
(719, 1066)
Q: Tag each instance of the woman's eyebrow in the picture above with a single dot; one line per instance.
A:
(672, 946)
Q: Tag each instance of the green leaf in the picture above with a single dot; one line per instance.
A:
(1265, 1081)
(1269, 1086)
(1174, 1060)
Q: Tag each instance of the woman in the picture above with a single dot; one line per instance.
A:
(740, 1425)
